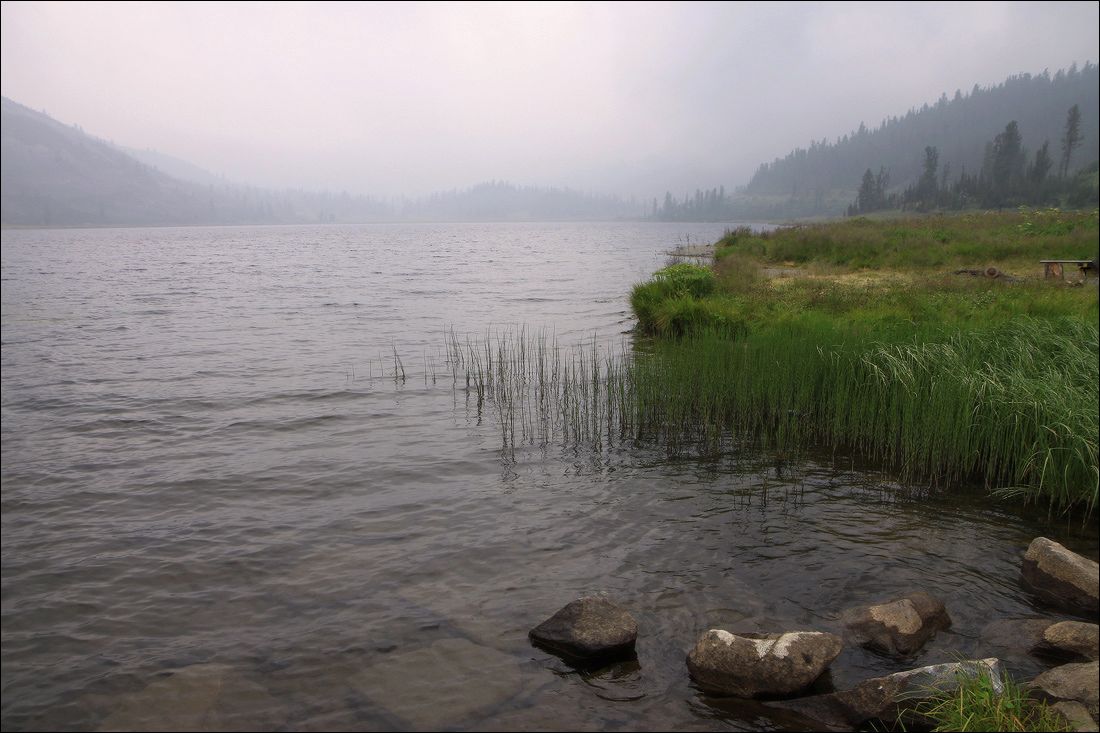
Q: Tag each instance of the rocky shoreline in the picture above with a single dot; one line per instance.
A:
(777, 667)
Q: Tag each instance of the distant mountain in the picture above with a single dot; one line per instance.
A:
(175, 167)
(56, 175)
(822, 180)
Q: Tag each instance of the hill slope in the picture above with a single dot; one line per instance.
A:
(959, 128)
(822, 180)
(56, 175)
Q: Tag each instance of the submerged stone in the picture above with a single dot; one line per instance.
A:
(441, 686)
(1020, 635)
(200, 697)
(898, 627)
(589, 628)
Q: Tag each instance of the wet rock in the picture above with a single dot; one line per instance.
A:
(589, 628)
(1075, 714)
(1015, 635)
(898, 627)
(1061, 576)
(1069, 683)
(884, 698)
(761, 665)
(200, 697)
(1074, 640)
(441, 686)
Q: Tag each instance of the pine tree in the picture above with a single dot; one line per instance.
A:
(1071, 137)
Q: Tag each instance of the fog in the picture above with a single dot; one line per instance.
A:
(409, 98)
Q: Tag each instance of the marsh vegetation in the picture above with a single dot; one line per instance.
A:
(876, 349)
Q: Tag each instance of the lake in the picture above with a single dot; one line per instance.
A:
(244, 489)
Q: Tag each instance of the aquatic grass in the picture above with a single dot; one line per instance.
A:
(538, 391)
(1012, 407)
(943, 379)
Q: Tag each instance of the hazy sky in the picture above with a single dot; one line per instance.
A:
(628, 98)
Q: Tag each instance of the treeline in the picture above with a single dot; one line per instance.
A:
(503, 201)
(822, 180)
(718, 206)
(959, 128)
(1009, 176)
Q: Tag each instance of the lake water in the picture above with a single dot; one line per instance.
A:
(224, 507)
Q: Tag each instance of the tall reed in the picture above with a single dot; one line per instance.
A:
(1013, 406)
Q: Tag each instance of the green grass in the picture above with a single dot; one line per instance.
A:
(881, 349)
(943, 380)
(975, 705)
(1013, 407)
(1013, 241)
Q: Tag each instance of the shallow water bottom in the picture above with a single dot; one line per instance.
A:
(411, 611)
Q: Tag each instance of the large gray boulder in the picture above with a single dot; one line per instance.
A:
(1070, 682)
(761, 665)
(589, 628)
(883, 699)
(1061, 576)
(898, 627)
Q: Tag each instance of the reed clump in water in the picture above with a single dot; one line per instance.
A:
(540, 392)
(1012, 406)
(943, 379)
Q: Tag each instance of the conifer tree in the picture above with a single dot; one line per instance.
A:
(1071, 137)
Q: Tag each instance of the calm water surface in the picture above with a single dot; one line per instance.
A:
(223, 507)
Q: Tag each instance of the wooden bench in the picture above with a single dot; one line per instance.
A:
(1054, 268)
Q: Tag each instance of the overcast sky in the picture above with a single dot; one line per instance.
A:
(408, 98)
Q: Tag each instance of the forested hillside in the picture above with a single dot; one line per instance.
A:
(959, 128)
(823, 179)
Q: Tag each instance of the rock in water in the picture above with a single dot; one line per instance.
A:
(898, 627)
(1061, 576)
(1072, 640)
(761, 665)
(589, 628)
(1070, 683)
(880, 700)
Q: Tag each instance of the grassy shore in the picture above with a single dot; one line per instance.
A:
(870, 341)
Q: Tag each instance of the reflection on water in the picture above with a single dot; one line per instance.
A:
(220, 507)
